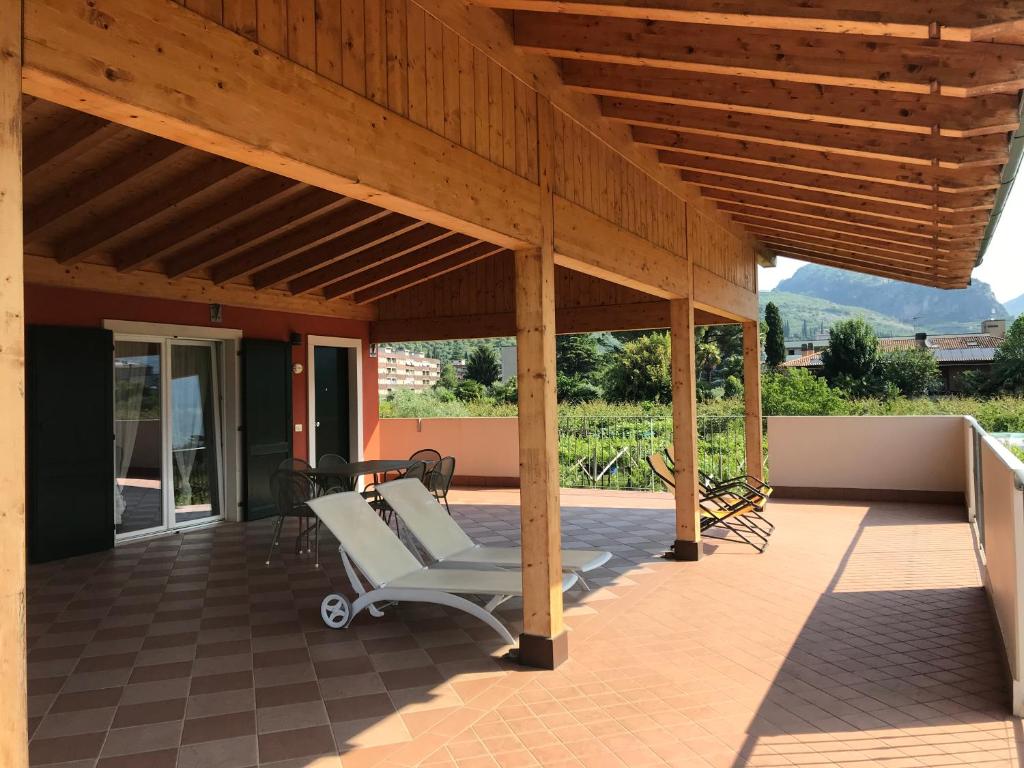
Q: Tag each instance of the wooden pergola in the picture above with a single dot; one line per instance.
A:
(437, 169)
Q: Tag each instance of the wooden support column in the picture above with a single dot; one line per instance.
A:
(14, 712)
(752, 397)
(684, 431)
(543, 643)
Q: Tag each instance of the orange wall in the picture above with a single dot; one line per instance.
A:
(69, 306)
(485, 449)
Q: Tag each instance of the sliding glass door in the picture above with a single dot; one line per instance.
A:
(167, 434)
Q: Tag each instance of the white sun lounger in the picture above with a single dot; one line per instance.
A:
(367, 543)
(446, 542)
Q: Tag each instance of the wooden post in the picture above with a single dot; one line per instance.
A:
(752, 398)
(684, 431)
(543, 643)
(14, 712)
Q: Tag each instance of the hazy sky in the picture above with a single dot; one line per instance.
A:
(1003, 267)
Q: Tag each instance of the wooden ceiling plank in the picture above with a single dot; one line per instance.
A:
(955, 20)
(266, 189)
(382, 258)
(885, 110)
(378, 230)
(926, 268)
(70, 198)
(843, 140)
(78, 133)
(333, 224)
(90, 238)
(677, 146)
(692, 165)
(883, 255)
(855, 266)
(859, 61)
(308, 204)
(441, 267)
(790, 206)
(354, 281)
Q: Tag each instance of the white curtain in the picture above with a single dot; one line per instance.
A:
(131, 384)
(190, 391)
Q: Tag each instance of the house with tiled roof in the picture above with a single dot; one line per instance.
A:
(955, 353)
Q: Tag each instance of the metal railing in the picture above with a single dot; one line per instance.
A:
(611, 451)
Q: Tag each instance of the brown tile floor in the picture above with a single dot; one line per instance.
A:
(860, 638)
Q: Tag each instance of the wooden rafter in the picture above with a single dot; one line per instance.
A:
(333, 224)
(299, 209)
(912, 66)
(419, 258)
(842, 140)
(949, 20)
(206, 222)
(381, 258)
(438, 268)
(136, 212)
(867, 266)
(77, 134)
(70, 198)
(838, 105)
(377, 231)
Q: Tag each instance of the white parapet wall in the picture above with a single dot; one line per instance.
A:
(868, 457)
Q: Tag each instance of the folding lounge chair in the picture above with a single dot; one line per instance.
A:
(715, 510)
(395, 575)
(444, 540)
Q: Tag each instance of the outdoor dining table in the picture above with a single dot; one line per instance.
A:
(352, 470)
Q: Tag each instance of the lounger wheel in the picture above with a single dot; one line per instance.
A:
(336, 611)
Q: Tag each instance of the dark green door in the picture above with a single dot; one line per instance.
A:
(267, 419)
(69, 441)
(330, 372)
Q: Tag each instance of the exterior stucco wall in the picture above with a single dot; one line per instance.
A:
(485, 449)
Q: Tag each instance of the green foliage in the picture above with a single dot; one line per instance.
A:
(469, 389)
(808, 316)
(1008, 363)
(640, 371)
(577, 355)
(733, 386)
(774, 343)
(913, 371)
(576, 389)
(798, 392)
(449, 350)
(483, 365)
(506, 393)
(850, 359)
(448, 379)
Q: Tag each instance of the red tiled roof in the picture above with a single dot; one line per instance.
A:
(983, 343)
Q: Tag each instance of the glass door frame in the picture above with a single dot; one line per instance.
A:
(166, 458)
(170, 523)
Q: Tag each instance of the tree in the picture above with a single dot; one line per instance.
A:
(913, 371)
(576, 389)
(483, 365)
(804, 332)
(1008, 362)
(577, 355)
(775, 341)
(469, 389)
(448, 379)
(640, 371)
(851, 356)
(798, 392)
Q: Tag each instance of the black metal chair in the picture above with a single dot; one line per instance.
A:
(328, 483)
(439, 479)
(291, 489)
(417, 471)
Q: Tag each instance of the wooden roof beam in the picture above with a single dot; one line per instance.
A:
(360, 279)
(77, 134)
(950, 20)
(385, 259)
(205, 223)
(948, 68)
(82, 192)
(301, 208)
(176, 191)
(879, 253)
(450, 263)
(676, 146)
(842, 140)
(376, 231)
(333, 224)
(837, 105)
(868, 268)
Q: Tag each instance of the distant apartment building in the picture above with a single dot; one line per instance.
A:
(399, 369)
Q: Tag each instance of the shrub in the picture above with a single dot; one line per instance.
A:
(799, 393)
(912, 371)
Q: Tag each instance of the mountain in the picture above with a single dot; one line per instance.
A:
(1015, 306)
(927, 309)
(806, 317)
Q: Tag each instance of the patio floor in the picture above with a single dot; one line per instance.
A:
(861, 638)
